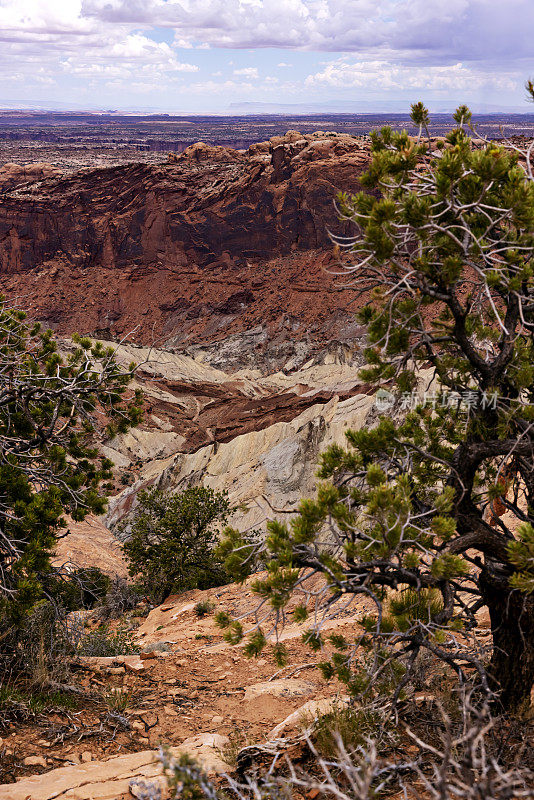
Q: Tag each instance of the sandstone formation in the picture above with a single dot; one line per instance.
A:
(214, 244)
(117, 778)
(14, 175)
(89, 544)
(257, 436)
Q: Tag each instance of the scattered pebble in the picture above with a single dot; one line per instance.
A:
(34, 761)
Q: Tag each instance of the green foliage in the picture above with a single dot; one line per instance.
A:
(280, 654)
(223, 619)
(412, 606)
(354, 725)
(234, 635)
(50, 464)
(255, 644)
(35, 702)
(203, 608)
(521, 552)
(118, 699)
(406, 515)
(104, 642)
(173, 539)
(237, 553)
(300, 613)
(81, 588)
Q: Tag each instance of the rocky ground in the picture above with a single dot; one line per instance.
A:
(188, 689)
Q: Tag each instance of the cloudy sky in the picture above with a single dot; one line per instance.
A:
(208, 55)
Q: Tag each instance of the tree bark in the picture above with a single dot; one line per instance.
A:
(511, 670)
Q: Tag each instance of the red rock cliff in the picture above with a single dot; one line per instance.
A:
(214, 243)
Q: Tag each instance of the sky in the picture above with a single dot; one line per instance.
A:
(225, 56)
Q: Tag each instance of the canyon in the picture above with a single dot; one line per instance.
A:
(213, 270)
(215, 273)
(212, 243)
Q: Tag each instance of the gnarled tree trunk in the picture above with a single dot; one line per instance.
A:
(511, 669)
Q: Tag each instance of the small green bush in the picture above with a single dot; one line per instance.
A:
(118, 700)
(105, 643)
(355, 725)
(81, 588)
(14, 699)
(171, 547)
(203, 608)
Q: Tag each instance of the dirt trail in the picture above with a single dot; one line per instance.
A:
(191, 690)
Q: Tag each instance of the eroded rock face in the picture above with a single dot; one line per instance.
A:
(257, 437)
(14, 175)
(213, 244)
(90, 544)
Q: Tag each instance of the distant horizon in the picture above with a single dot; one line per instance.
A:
(158, 132)
(239, 111)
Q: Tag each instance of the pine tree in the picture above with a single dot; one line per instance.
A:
(53, 409)
(429, 515)
(172, 540)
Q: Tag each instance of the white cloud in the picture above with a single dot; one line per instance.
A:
(136, 47)
(456, 30)
(313, 24)
(57, 36)
(388, 45)
(247, 72)
(386, 75)
(426, 30)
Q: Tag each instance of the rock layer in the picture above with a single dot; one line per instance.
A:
(257, 437)
(115, 778)
(210, 245)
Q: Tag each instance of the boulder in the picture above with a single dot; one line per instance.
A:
(304, 716)
(111, 779)
(288, 687)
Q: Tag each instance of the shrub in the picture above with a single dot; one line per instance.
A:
(40, 645)
(120, 598)
(355, 725)
(17, 700)
(454, 761)
(81, 588)
(107, 643)
(204, 608)
(172, 543)
(118, 699)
